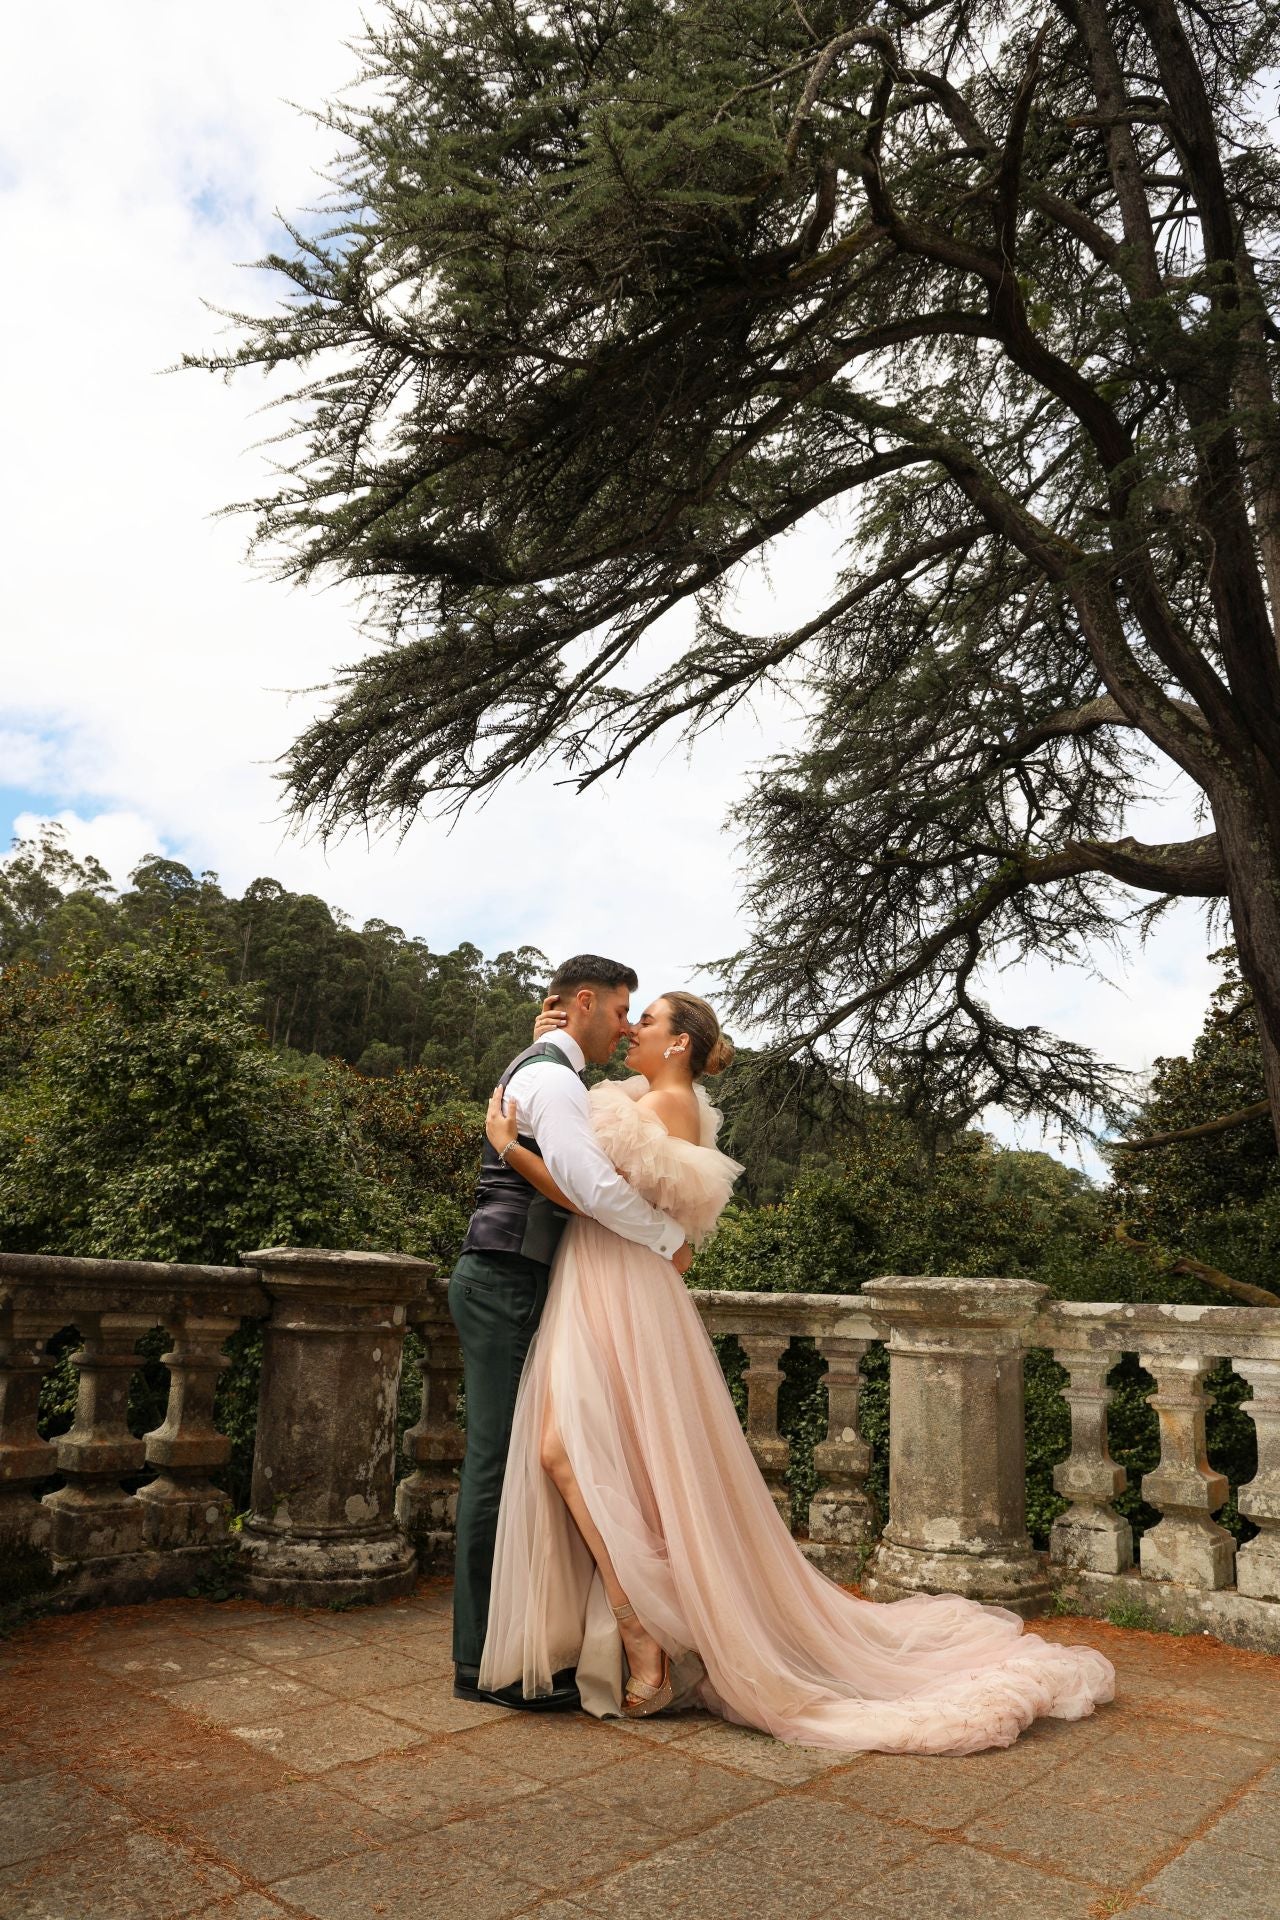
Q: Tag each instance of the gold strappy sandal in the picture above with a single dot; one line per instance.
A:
(640, 1698)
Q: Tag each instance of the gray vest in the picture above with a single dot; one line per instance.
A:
(510, 1216)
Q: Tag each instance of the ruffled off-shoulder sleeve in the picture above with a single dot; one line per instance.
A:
(691, 1183)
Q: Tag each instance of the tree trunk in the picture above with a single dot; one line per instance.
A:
(1252, 858)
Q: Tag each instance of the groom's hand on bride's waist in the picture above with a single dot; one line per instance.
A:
(682, 1258)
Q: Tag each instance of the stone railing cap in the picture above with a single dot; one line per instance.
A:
(54, 1283)
(402, 1275)
(953, 1297)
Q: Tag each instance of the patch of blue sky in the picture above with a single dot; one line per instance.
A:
(16, 801)
(217, 205)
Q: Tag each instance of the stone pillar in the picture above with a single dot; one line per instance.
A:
(427, 1498)
(182, 1507)
(25, 1459)
(322, 1526)
(1188, 1545)
(763, 1377)
(93, 1517)
(1090, 1535)
(1258, 1561)
(842, 1514)
(957, 1448)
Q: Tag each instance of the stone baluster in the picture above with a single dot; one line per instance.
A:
(842, 1514)
(427, 1498)
(182, 1507)
(93, 1518)
(1187, 1545)
(1258, 1561)
(763, 1377)
(1090, 1535)
(25, 1459)
(322, 1526)
(957, 1447)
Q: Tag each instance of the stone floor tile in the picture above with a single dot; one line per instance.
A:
(668, 1789)
(358, 1672)
(936, 1790)
(192, 1765)
(321, 1737)
(266, 1836)
(429, 1784)
(248, 1698)
(693, 1879)
(429, 1705)
(242, 1906)
(436, 1598)
(558, 1910)
(756, 1753)
(546, 1746)
(1113, 1789)
(138, 1876)
(70, 1701)
(287, 1640)
(662, 1728)
(1252, 1825)
(1211, 1882)
(809, 1838)
(167, 1660)
(1107, 1850)
(557, 1839)
(369, 1626)
(1192, 1753)
(961, 1884)
(17, 1759)
(51, 1811)
(409, 1884)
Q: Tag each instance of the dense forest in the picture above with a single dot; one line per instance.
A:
(372, 997)
(185, 1075)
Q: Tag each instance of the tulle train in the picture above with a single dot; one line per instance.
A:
(625, 1364)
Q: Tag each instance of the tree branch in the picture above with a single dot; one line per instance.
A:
(1222, 1124)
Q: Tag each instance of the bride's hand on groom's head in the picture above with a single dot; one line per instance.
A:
(552, 1019)
(501, 1121)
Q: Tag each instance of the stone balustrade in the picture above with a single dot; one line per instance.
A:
(140, 1515)
(1187, 1570)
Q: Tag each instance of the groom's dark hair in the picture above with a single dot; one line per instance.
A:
(591, 970)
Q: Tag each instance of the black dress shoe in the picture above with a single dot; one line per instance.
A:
(563, 1697)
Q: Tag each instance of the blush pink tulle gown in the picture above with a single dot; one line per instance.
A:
(623, 1361)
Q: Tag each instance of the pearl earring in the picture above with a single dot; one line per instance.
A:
(668, 1051)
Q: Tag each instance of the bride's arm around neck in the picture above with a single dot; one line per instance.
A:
(677, 1108)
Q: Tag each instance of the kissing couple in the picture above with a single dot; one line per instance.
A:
(617, 1547)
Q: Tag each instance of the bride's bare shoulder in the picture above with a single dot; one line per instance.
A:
(677, 1110)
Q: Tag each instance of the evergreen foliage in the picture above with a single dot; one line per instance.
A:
(317, 985)
(616, 296)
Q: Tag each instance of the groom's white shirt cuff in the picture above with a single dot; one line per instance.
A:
(554, 1109)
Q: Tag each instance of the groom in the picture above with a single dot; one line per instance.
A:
(499, 1286)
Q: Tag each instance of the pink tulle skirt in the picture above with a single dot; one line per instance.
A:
(626, 1371)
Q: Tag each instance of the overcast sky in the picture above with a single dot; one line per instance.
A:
(150, 675)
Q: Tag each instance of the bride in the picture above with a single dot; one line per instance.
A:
(637, 1540)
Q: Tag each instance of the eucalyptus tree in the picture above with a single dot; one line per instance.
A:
(618, 294)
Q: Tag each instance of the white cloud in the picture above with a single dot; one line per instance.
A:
(142, 151)
(118, 839)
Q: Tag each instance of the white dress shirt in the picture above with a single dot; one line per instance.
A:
(554, 1110)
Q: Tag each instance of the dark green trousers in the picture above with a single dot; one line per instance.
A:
(496, 1300)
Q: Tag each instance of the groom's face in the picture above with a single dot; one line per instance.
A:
(607, 1020)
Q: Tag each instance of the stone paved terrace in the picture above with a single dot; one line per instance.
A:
(186, 1758)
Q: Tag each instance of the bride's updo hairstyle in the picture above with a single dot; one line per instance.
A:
(710, 1051)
